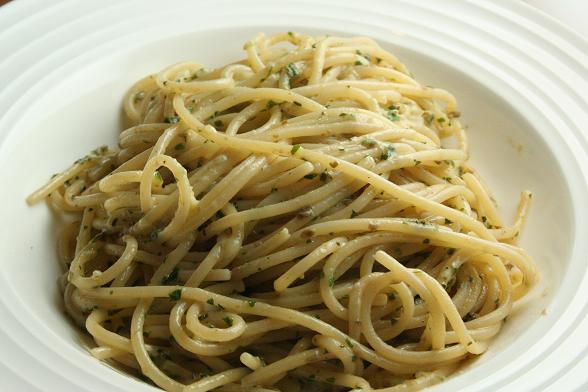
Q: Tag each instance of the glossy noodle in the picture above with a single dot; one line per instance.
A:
(303, 219)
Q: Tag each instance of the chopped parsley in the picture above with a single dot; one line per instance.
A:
(170, 278)
(251, 303)
(428, 118)
(155, 233)
(393, 113)
(180, 146)
(368, 142)
(292, 70)
(175, 295)
(228, 320)
(387, 153)
(295, 149)
(171, 120)
(331, 281)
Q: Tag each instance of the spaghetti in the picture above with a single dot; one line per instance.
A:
(303, 218)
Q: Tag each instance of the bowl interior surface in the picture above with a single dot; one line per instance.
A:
(84, 111)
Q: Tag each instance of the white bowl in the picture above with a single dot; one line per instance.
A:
(520, 79)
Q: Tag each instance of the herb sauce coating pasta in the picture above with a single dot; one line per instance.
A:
(303, 219)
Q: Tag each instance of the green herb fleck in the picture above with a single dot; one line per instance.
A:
(175, 295)
(228, 320)
(292, 70)
(171, 277)
(387, 153)
(428, 118)
(393, 115)
(171, 120)
(155, 233)
(295, 149)
(180, 146)
(368, 142)
(251, 303)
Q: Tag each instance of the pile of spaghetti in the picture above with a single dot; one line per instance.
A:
(302, 219)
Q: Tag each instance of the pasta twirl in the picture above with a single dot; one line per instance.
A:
(305, 218)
